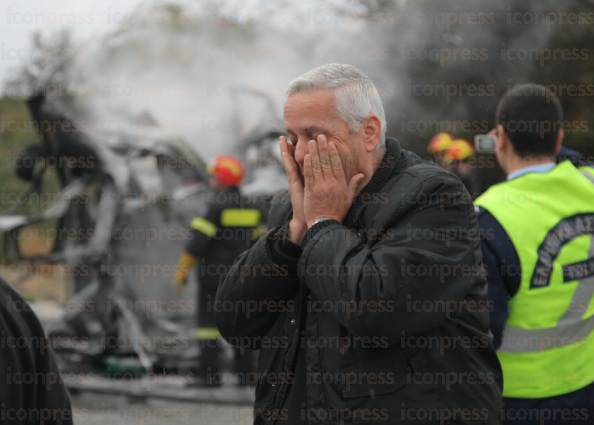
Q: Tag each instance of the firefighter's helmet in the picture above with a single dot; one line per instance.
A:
(439, 143)
(227, 170)
(459, 150)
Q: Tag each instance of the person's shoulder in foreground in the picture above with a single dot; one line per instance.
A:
(31, 389)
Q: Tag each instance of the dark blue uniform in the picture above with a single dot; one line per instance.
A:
(226, 230)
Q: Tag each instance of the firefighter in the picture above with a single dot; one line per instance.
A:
(438, 146)
(538, 247)
(217, 238)
(459, 150)
(457, 159)
(454, 155)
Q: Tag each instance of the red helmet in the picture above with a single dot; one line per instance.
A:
(227, 170)
(439, 143)
(460, 150)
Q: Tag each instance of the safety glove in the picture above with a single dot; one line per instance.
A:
(185, 264)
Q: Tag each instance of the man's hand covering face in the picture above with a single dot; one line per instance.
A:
(327, 191)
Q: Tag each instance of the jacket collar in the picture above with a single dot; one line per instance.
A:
(385, 168)
(378, 180)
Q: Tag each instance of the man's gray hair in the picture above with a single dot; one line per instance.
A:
(356, 96)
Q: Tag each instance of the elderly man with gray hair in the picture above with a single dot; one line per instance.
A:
(366, 298)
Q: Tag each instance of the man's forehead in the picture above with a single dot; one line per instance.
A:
(310, 98)
(306, 108)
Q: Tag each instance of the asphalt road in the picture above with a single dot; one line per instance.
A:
(94, 409)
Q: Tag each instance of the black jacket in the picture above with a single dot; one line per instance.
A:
(31, 390)
(380, 319)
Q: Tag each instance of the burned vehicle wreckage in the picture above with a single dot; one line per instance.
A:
(121, 218)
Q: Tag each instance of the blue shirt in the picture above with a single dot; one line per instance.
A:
(538, 168)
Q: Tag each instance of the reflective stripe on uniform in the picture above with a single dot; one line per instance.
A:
(202, 225)
(207, 333)
(519, 340)
(588, 175)
(240, 217)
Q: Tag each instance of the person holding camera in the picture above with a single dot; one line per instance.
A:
(538, 247)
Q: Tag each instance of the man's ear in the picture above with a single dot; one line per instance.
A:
(560, 136)
(503, 143)
(372, 128)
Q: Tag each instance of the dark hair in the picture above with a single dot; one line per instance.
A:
(531, 116)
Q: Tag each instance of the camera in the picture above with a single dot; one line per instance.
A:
(485, 143)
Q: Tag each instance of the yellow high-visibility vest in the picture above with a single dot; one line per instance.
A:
(548, 344)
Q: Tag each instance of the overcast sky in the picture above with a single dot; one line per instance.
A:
(20, 18)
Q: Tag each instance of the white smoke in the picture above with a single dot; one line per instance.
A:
(180, 62)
